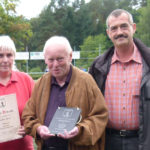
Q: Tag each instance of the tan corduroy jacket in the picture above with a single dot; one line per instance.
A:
(82, 92)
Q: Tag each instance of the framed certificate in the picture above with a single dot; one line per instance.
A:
(9, 118)
(65, 118)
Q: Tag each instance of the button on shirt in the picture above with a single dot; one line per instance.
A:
(122, 91)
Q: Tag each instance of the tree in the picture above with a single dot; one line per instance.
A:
(17, 27)
(143, 29)
(92, 47)
(9, 6)
(75, 20)
(59, 18)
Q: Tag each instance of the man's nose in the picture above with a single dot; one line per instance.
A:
(55, 62)
(119, 30)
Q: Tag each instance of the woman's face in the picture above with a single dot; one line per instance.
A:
(6, 61)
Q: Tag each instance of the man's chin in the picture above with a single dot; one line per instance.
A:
(56, 75)
(121, 43)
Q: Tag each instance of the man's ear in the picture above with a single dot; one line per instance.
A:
(45, 59)
(70, 56)
(107, 31)
(134, 27)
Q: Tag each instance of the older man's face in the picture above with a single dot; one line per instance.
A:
(58, 61)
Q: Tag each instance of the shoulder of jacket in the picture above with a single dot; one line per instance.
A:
(80, 74)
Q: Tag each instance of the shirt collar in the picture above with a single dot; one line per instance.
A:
(135, 57)
(13, 77)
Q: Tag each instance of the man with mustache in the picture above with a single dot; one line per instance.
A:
(123, 75)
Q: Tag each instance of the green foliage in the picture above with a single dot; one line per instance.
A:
(35, 73)
(17, 27)
(81, 26)
(42, 27)
(143, 3)
(143, 29)
(60, 18)
(82, 23)
(22, 65)
(9, 6)
(92, 47)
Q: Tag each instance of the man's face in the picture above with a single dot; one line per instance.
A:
(120, 30)
(58, 60)
(6, 61)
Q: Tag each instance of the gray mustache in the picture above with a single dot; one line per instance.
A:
(120, 36)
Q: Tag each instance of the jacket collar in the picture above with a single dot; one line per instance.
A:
(144, 50)
(103, 62)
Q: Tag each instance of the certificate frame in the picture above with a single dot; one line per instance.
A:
(9, 118)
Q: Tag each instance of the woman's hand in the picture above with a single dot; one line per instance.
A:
(21, 131)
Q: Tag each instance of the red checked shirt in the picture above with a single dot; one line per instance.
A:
(122, 92)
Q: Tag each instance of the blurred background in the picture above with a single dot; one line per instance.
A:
(30, 24)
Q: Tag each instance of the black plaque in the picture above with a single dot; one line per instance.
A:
(65, 118)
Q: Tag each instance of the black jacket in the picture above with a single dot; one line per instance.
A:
(99, 70)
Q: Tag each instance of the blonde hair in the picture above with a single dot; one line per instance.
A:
(6, 43)
(58, 40)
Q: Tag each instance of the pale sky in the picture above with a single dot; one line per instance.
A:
(32, 8)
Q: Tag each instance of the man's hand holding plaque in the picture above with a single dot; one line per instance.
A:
(44, 132)
(70, 134)
(62, 125)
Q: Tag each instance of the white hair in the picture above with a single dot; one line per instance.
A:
(58, 40)
(6, 43)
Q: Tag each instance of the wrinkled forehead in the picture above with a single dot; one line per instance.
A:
(123, 17)
(57, 49)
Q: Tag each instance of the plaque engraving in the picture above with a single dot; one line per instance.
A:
(9, 118)
(65, 118)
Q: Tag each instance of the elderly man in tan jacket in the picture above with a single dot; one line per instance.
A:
(65, 86)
